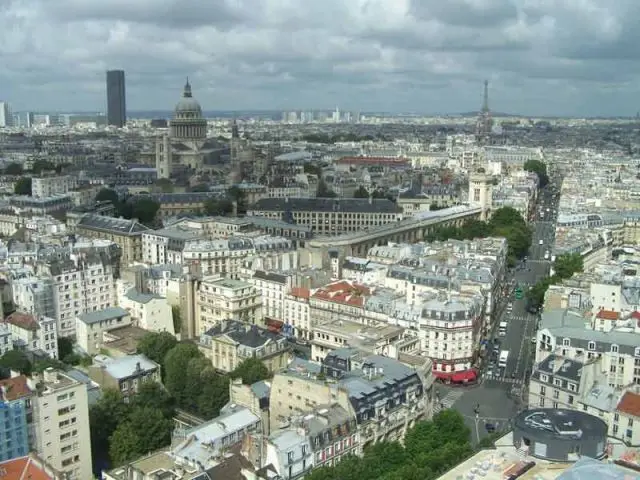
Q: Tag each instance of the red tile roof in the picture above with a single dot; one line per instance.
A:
(14, 388)
(343, 292)
(608, 315)
(635, 315)
(23, 320)
(300, 292)
(23, 468)
(630, 404)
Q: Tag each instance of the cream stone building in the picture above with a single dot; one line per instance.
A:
(221, 299)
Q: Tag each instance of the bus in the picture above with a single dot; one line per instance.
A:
(502, 361)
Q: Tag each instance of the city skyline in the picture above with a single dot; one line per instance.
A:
(393, 56)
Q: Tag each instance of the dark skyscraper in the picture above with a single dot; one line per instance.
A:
(116, 98)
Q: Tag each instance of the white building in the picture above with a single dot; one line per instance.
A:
(297, 311)
(150, 312)
(6, 117)
(33, 334)
(42, 187)
(90, 327)
(273, 287)
(223, 298)
(61, 418)
(290, 453)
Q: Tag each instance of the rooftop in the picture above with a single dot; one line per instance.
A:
(117, 226)
(125, 367)
(630, 404)
(102, 315)
(561, 423)
(14, 388)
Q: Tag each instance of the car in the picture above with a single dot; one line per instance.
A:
(541, 242)
(502, 333)
(489, 372)
(490, 427)
(534, 339)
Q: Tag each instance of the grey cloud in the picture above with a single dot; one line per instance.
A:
(369, 54)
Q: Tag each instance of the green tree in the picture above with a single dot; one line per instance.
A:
(44, 363)
(177, 378)
(251, 370)
(218, 207)
(236, 194)
(323, 190)
(156, 345)
(65, 347)
(153, 395)
(16, 360)
(23, 186)
(124, 444)
(145, 210)
(213, 393)
(13, 169)
(164, 185)
(361, 192)
(313, 169)
(568, 264)
(506, 217)
(539, 168)
(108, 195)
(104, 418)
(40, 166)
(177, 318)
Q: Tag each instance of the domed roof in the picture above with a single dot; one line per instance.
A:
(188, 104)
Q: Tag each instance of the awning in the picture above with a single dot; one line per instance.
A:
(273, 324)
(442, 375)
(464, 376)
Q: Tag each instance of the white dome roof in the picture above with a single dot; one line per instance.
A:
(187, 103)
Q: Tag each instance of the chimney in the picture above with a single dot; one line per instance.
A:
(138, 367)
(371, 199)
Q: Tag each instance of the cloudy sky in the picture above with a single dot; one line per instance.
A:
(553, 57)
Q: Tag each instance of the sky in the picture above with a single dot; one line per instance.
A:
(541, 57)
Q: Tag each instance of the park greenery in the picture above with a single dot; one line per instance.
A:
(362, 192)
(540, 169)
(124, 431)
(144, 209)
(564, 267)
(505, 222)
(430, 449)
(23, 186)
(323, 190)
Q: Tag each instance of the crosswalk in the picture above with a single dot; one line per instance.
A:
(449, 400)
(513, 381)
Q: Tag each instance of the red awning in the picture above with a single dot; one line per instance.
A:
(273, 325)
(442, 375)
(464, 376)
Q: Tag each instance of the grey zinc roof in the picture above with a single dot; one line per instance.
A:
(349, 205)
(261, 389)
(566, 323)
(102, 315)
(118, 226)
(124, 367)
(589, 469)
(139, 297)
(270, 276)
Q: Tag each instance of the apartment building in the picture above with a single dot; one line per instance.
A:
(341, 299)
(82, 282)
(127, 234)
(565, 332)
(220, 299)
(90, 327)
(61, 422)
(297, 312)
(36, 334)
(48, 186)
(625, 423)
(329, 216)
(165, 246)
(15, 402)
(149, 311)
(229, 343)
(125, 374)
(273, 287)
(6, 342)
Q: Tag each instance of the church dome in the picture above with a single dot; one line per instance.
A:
(188, 107)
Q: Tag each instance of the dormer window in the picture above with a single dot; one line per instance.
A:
(591, 345)
(566, 342)
(636, 352)
(614, 348)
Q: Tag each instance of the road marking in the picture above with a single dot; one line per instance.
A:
(448, 401)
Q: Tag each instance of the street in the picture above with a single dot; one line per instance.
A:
(491, 404)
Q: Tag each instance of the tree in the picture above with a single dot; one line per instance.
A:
(124, 444)
(44, 363)
(40, 166)
(16, 360)
(568, 264)
(361, 192)
(104, 418)
(156, 345)
(23, 186)
(506, 217)
(313, 169)
(214, 393)
(237, 195)
(176, 377)
(13, 169)
(65, 347)
(177, 318)
(165, 185)
(108, 195)
(323, 190)
(145, 210)
(153, 395)
(218, 207)
(539, 168)
(251, 370)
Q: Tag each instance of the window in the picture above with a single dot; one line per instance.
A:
(566, 342)
(290, 457)
(636, 352)
(614, 348)
(591, 345)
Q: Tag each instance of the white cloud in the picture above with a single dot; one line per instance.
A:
(542, 56)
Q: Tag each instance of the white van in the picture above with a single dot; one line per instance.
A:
(540, 242)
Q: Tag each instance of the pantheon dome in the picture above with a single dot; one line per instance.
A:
(188, 122)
